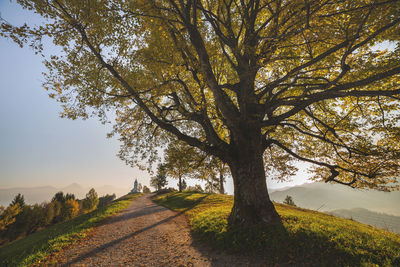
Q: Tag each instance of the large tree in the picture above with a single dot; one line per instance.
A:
(235, 78)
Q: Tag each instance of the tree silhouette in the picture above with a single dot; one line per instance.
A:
(18, 199)
(91, 200)
(289, 201)
(160, 180)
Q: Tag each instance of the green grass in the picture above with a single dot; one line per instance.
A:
(306, 237)
(36, 247)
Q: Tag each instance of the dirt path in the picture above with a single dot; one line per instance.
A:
(145, 234)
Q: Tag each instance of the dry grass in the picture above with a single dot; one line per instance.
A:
(306, 237)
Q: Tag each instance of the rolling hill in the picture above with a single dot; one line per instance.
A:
(329, 197)
(381, 220)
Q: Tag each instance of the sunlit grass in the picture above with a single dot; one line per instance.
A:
(307, 237)
(35, 247)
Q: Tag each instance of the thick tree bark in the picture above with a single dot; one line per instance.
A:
(252, 205)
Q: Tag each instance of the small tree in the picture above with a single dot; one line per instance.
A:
(70, 209)
(181, 161)
(69, 196)
(28, 221)
(183, 185)
(104, 200)
(59, 196)
(8, 215)
(35, 220)
(49, 213)
(186, 161)
(146, 190)
(213, 171)
(18, 199)
(91, 201)
(160, 180)
(212, 184)
(289, 201)
(56, 205)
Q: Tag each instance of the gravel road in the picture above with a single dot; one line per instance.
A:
(145, 234)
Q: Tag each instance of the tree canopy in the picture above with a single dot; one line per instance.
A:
(254, 83)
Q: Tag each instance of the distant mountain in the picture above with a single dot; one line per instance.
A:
(34, 195)
(381, 220)
(329, 197)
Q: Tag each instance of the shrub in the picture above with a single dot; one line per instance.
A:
(49, 213)
(8, 216)
(69, 210)
(104, 200)
(146, 190)
(91, 201)
(166, 190)
(57, 211)
(28, 221)
(195, 189)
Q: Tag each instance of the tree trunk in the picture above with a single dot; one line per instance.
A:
(252, 205)
(180, 184)
(221, 183)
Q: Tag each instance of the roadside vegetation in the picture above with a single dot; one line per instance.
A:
(306, 237)
(20, 219)
(35, 247)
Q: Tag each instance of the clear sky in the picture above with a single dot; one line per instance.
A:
(39, 148)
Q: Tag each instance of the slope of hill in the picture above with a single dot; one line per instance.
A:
(306, 238)
(30, 250)
(381, 220)
(328, 197)
(34, 195)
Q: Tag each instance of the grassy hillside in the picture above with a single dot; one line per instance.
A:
(306, 237)
(35, 247)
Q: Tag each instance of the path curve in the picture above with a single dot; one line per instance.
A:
(145, 234)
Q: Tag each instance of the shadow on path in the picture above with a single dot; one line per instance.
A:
(149, 210)
(134, 214)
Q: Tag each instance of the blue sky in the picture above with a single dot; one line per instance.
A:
(37, 147)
